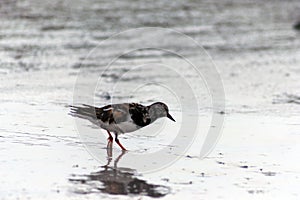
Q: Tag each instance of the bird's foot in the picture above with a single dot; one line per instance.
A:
(120, 145)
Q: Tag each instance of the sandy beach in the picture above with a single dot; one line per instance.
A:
(45, 47)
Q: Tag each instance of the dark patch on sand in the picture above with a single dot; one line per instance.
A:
(255, 191)
(269, 173)
(287, 99)
(297, 26)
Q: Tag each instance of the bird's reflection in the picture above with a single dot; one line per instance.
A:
(117, 180)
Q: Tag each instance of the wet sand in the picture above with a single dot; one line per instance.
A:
(42, 48)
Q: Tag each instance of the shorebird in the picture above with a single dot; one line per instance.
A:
(122, 118)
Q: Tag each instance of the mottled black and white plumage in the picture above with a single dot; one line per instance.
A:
(122, 118)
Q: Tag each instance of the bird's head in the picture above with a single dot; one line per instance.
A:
(159, 109)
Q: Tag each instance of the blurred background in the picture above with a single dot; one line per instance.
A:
(39, 35)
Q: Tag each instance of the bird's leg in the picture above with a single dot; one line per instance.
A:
(118, 142)
(110, 138)
(109, 148)
(109, 154)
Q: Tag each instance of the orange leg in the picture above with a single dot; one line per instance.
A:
(118, 142)
(110, 138)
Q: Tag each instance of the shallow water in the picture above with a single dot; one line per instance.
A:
(116, 180)
(44, 45)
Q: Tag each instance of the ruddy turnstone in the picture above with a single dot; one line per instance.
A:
(122, 118)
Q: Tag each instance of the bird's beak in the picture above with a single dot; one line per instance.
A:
(170, 117)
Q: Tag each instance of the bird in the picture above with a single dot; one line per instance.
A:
(122, 118)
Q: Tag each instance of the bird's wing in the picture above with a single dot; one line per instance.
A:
(139, 114)
(115, 113)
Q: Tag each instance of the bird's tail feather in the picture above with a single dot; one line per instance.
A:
(84, 112)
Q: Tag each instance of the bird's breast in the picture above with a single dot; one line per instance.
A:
(128, 126)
